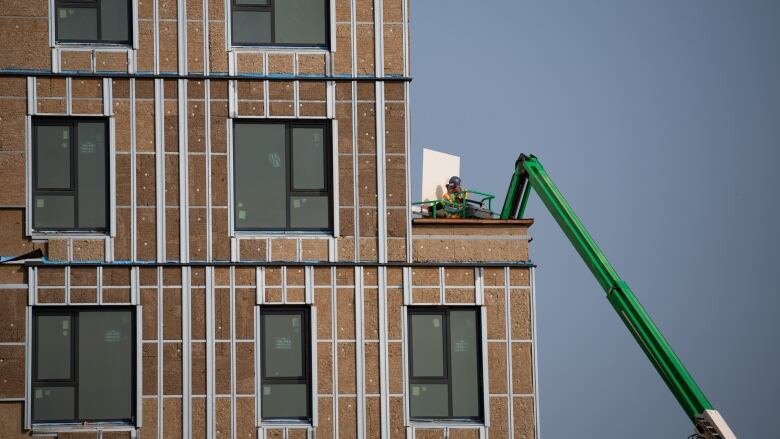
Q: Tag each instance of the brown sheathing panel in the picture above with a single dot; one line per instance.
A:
(521, 314)
(499, 416)
(58, 249)
(244, 313)
(245, 418)
(325, 418)
(149, 418)
(394, 49)
(51, 295)
(198, 428)
(149, 318)
(12, 315)
(371, 367)
(111, 62)
(222, 313)
(365, 49)
(324, 367)
(522, 368)
(147, 237)
(346, 368)
(76, 61)
(245, 368)
(496, 313)
(145, 52)
(347, 417)
(172, 366)
(397, 425)
(194, 45)
(14, 111)
(222, 418)
(249, 63)
(395, 168)
(12, 371)
(280, 63)
(222, 367)
(88, 250)
(150, 369)
(172, 313)
(13, 241)
(172, 418)
(311, 64)
(83, 295)
(83, 276)
(524, 418)
(373, 416)
(342, 61)
(169, 49)
(24, 42)
(197, 233)
(429, 433)
(497, 364)
(198, 313)
(12, 191)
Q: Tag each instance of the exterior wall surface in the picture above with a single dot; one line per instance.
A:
(196, 284)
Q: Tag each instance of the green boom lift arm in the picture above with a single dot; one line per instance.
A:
(528, 174)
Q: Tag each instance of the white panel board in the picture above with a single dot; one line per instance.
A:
(438, 167)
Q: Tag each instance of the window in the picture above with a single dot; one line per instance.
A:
(444, 363)
(286, 379)
(280, 22)
(70, 164)
(282, 176)
(93, 21)
(83, 365)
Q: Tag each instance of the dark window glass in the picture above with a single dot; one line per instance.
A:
(445, 364)
(105, 347)
(93, 21)
(83, 365)
(70, 164)
(54, 152)
(53, 349)
(282, 176)
(280, 22)
(286, 373)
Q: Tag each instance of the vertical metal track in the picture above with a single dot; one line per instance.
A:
(360, 353)
(133, 194)
(233, 414)
(184, 217)
(508, 346)
(334, 336)
(186, 351)
(159, 150)
(210, 354)
(384, 386)
(160, 352)
(535, 372)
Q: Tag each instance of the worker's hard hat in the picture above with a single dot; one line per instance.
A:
(454, 181)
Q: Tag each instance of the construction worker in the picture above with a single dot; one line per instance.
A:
(456, 196)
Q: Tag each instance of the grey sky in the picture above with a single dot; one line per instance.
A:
(660, 123)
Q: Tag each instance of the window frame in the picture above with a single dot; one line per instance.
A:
(271, 8)
(73, 312)
(290, 191)
(97, 6)
(444, 312)
(72, 123)
(307, 367)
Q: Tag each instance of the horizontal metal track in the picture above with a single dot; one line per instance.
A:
(195, 76)
(277, 264)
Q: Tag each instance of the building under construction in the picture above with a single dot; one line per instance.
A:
(206, 231)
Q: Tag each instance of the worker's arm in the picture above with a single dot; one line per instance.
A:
(529, 173)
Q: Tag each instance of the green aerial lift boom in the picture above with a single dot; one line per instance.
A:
(528, 174)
